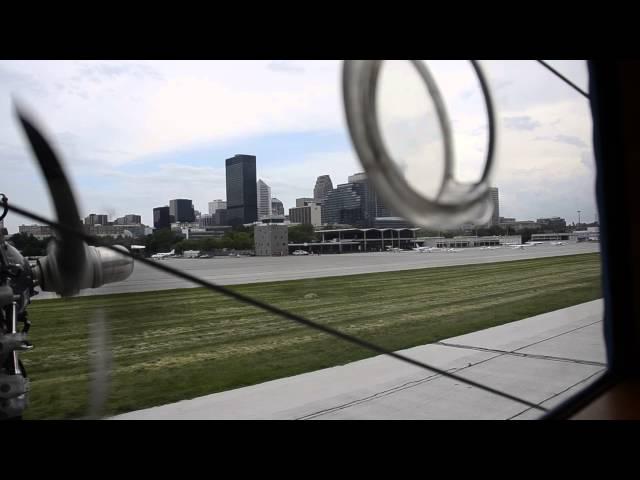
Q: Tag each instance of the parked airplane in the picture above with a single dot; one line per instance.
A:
(523, 245)
(163, 255)
(558, 243)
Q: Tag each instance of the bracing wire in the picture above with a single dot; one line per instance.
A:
(272, 309)
(562, 77)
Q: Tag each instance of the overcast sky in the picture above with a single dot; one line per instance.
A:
(134, 134)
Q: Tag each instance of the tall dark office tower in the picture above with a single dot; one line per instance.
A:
(322, 188)
(242, 197)
(161, 217)
(495, 198)
(182, 210)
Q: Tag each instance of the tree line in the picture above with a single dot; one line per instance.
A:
(240, 238)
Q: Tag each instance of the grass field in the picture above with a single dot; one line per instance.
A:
(177, 344)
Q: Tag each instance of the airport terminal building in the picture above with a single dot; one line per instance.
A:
(352, 240)
(591, 234)
(467, 241)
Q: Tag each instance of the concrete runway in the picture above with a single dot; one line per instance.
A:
(544, 359)
(234, 270)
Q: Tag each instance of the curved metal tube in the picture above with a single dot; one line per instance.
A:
(456, 202)
(103, 266)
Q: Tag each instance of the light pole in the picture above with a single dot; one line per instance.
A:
(578, 217)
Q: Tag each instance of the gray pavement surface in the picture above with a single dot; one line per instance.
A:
(543, 359)
(239, 270)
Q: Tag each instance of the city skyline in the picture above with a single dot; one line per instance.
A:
(375, 207)
(114, 126)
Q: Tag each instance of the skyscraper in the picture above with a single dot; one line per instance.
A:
(264, 200)
(303, 202)
(495, 216)
(344, 205)
(306, 215)
(130, 219)
(94, 219)
(277, 208)
(216, 205)
(182, 210)
(242, 198)
(372, 204)
(322, 188)
(357, 177)
(221, 216)
(161, 217)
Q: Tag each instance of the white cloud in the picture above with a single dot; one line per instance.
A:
(285, 67)
(523, 122)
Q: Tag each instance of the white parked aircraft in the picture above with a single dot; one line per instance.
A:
(160, 256)
(424, 249)
(558, 243)
(523, 245)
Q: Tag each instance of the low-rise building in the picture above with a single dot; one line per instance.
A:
(520, 225)
(555, 224)
(39, 231)
(391, 222)
(591, 234)
(306, 215)
(271, 239)
(554, 237)
(179, 226)
(468, 241)
(96, 219)
(116, 230)
(342, 240)
(130, 219)
(197, 233)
